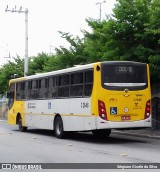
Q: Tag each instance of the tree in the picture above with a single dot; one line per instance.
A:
(131, 33)
(8, 70)
(153, 32)
(100, 44)
(67, 57)
(37, 63)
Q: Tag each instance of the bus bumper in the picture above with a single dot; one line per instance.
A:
(102, 124)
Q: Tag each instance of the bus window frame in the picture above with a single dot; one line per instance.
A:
(30, 89)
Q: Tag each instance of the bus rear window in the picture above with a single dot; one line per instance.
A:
(120, 76)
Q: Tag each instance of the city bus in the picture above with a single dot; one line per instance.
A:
(96, 97)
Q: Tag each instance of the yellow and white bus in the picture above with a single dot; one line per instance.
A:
(95, 97)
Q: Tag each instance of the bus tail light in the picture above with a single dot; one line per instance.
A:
(102, 110)
(148, 109)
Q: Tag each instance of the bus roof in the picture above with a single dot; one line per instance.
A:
(57, 72)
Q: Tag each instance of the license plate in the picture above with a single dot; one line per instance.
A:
(125, 118)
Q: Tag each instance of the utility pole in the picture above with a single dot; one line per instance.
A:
(50, 50)
(100, 8)
(14, 10)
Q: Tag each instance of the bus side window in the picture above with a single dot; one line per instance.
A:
(88, 85)
(43, 88)
(76, 88)
(27, 90)
(23, 90)
(34, 89)
(52, 87)
(18, 91)
(63, 80)
(11, 95)
(63, 85)
(30, 85)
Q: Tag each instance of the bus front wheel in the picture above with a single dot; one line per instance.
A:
(58, 128)
(101, 133)
(20, 126)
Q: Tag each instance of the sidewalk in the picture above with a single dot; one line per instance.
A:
(147, 133)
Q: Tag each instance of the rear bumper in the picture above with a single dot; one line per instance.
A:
(101, 124)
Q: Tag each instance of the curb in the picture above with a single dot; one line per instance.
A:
(136, 134)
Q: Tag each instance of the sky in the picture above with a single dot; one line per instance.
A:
(45, 19)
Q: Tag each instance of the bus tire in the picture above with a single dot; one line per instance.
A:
(58, 128)
(20, 126)
(101, 133)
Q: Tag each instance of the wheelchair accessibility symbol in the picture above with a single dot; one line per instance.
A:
(113, 110)
(49, 105)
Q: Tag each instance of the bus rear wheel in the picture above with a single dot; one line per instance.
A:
(20, 126)
(101, 133)
(58, 128)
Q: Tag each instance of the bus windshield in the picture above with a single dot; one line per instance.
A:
(120, 76)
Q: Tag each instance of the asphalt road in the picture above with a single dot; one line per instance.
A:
(41, 146)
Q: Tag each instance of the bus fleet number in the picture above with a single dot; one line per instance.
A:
(84, 105)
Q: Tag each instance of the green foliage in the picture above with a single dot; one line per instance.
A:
(37, 64)
(64, 57)
(131, 33)
(8, 70)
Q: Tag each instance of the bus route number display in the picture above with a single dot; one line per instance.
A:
(125, 69)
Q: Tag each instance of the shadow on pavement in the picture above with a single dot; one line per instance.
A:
(87, 137)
